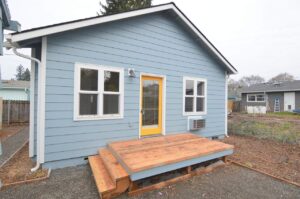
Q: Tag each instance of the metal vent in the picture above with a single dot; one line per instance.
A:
(196, 124)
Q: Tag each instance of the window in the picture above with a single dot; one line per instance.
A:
(98, 92)
(255, 97)
(194, 99)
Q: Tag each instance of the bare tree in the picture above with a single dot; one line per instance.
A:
(251, 80)
(282, 77)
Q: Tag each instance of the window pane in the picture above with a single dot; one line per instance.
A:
(150, 103)
(88, 104)
(111, 81)
(200, 104)
(200, 88)
(189, 87)
(189, 101)
(110, 104)
(260, 98)
(88, 80)
(251, 98)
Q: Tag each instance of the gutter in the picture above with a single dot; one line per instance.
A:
(9, 45)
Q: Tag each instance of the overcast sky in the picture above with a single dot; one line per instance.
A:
(257, 36)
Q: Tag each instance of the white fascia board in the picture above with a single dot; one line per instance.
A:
(89, 22)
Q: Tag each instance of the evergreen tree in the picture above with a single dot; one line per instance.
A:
(117, 6)
(26, 75)
(20, 71)
(22, 74)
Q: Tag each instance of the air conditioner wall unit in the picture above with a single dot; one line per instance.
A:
(196, 123)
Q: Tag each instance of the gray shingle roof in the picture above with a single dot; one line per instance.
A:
(15, 84)
(270, 87)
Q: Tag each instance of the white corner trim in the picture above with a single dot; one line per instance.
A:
(164, 97)
(41, 102)
(31, 111)
(100, 92)
(88, 22)
(226, 103)
(194, 113)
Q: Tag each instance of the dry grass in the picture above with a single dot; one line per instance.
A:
(18, 168)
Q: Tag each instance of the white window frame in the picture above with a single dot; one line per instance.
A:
(256, 94)
(100, 92)
(195, 79)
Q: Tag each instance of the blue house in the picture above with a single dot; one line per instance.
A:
(130, 75)
(5, 22)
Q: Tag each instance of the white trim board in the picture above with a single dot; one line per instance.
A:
(43, 31)
(41, 104)
(32, 93)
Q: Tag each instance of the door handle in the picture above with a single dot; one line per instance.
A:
(142, 112)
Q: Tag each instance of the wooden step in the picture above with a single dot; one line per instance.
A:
(115, 170)
(103, 180)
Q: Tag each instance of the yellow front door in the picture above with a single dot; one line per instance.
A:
(151, 105)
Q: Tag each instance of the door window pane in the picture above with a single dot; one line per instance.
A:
(88, 79)
(88, 104)
(200, 104)
(200, 88)
(110, 104)
(111, 81)
(189, 101)
(189, 87)
(150, 104)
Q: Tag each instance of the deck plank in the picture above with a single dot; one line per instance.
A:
(139, 155)
(154, 141)
(116, 171)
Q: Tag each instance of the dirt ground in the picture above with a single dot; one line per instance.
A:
(230, 182)
(8, 131)
(18, 168)
(275, 158)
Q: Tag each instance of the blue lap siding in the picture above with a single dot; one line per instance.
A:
(154, 44)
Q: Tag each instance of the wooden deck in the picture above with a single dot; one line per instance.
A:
(124, 162)
(143, 154)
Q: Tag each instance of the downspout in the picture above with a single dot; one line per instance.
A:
(37, 166)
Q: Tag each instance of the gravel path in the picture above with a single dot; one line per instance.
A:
(230, 182)
(12, 144)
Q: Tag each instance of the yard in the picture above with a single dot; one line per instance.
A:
(269, 143)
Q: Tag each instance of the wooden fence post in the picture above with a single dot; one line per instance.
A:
(1, 115)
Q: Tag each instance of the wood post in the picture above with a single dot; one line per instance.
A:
(1, 110)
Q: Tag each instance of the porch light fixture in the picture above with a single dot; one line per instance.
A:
(131, 72)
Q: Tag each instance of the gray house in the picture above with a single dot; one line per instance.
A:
(271, 97)
(5, 22)
(119, 77)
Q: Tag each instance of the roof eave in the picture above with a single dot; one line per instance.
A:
(16, 38)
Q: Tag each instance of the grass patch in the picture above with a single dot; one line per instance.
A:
(283, 131)
(285, 115)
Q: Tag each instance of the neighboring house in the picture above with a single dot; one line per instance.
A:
(5, 22)
(118, 77)
(271, 97)
(15, 90)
